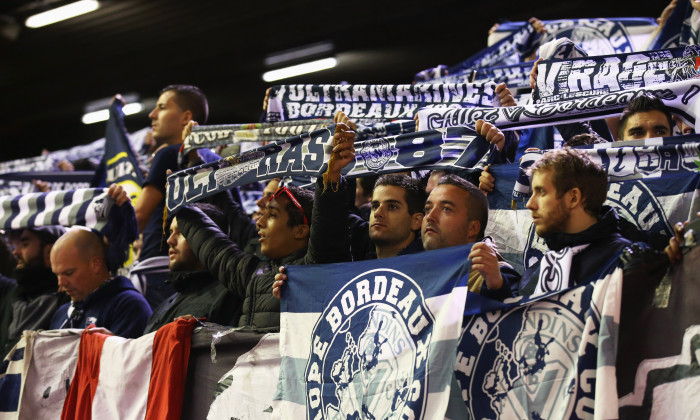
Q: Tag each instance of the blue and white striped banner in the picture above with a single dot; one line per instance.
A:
(681, 97)
(86, 207)
(307, 155)
(372, 102)
(559, 80)
(374, 340)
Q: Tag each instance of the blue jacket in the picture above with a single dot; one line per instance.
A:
(116, 305)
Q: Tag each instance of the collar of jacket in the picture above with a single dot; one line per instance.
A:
(608, 223)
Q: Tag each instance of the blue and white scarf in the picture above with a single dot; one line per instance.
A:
(307, 155)
(210, 136)
(559, 80)
(372, 102)
(681, 97)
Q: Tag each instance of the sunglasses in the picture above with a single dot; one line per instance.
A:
(285, 190)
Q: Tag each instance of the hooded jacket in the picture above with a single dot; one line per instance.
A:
(250, 278)
(598, 259)
(198, 294)
(116, 306)
(29, 304)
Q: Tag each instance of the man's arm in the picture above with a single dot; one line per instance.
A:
(329, 240)
(219, 254)
(146, 203)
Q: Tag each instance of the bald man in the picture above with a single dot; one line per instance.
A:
(78, 259)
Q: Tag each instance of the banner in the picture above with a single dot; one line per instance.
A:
(551, 358)
(86, 207)
(307, 155)
(16, 183)
(676, 30)
(376, 102)
(681, 97)
(596, 36)
(657, 363)
(559, 80)
(220, 135)
(514, 75)
(375, 339)
(512, 49)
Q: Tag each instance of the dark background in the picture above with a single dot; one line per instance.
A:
(47, 75)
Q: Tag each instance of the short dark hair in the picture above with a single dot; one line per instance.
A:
(306, 200)
(572, 168)
(645, 102)
(190, 98)
(215, 214)
(585, 139)
(477, 204)
(414, 193)
(367, 183)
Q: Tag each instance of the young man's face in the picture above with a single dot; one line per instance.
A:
(277, 239)
(28, 250)
(181, 256)
(446, 222)
(389, 221)
(549, 213)
(270, 189)
(76, 274)
(168, 119)
(645, 125)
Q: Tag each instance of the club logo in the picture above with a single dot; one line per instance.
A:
(376, 153)
(369, 353)
(523, 363)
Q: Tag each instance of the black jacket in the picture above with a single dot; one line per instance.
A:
(28, 304)
(248, 277)
(606, 243)
(198, 294)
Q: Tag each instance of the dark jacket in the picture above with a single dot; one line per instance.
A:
(28, 305)
(250, 278)
(116, 305)
(598, 259)
(198, 294)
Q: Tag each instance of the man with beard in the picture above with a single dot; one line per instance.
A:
(583, 237)
(31, 304)
(199, 294)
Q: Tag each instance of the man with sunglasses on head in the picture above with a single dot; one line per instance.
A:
(297, 227)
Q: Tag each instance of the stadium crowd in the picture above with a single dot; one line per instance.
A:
(228, 266)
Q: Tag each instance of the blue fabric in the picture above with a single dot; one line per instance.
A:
(116, 305)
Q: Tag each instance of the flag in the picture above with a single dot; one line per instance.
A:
(370, 339)
(657, 365)
(43, 364)
(246, 391)
(119, 378)
(549, 358)
(119, 164)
